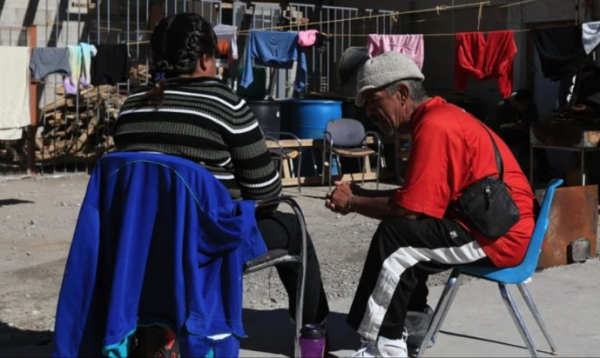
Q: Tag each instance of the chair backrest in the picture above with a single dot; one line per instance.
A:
(346, 132)
(532, 255)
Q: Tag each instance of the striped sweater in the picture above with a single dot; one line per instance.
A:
(201, 119)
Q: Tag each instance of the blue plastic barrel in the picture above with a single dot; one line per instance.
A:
(308, 119)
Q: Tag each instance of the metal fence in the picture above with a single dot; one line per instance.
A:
(73, 131)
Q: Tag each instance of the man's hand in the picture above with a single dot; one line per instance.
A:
(337, 200)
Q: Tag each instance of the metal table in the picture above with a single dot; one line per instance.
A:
(566, 136)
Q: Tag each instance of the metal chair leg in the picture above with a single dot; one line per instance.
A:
(441, 310)
(516, 316)
(314, 161)
(378, 167)
(301, 282)
(323, 166)
(330, 168)
(538, 318)
(299, 172)
(339, 167)
(364, 169)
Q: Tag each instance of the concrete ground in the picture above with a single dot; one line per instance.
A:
(37, 218)
(478, 324)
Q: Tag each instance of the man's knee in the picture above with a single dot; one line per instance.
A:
(399, 231)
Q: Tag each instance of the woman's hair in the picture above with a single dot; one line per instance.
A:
(177, 43)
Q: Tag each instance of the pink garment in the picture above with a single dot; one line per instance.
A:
(410, 45)
(307, 38)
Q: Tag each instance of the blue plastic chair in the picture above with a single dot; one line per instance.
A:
(509, 276)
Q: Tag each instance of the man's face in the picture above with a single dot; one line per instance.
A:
(388, 111)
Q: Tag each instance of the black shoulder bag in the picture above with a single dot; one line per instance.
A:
(487, 206)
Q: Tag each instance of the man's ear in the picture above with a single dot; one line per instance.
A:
(404, 91)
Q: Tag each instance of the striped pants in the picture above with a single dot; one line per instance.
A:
(402, 255)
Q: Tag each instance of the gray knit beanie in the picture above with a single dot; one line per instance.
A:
(383, 70)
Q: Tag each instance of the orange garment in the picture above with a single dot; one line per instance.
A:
(225, 50)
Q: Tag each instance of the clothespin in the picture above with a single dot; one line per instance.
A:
(394, 18)
(324, 33)
(479, 16)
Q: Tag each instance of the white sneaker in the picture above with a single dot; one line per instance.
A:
(393, 347)
(417, 324)
(366, 350)
(385, 348)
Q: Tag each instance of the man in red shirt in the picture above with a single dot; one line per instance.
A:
(420, 234)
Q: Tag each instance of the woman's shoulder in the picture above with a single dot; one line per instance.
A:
(213, 88)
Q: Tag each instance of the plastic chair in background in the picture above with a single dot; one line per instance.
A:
(347, 138)
(517, 275)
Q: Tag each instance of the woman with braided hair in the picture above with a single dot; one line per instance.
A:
(188, 112)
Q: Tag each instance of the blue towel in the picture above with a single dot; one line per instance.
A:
(275, 49)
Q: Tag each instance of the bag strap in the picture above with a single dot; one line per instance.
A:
(497, 155)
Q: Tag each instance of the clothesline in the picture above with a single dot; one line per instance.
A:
(393, 15)
(430, 35)
(438, 9)
(424, 35)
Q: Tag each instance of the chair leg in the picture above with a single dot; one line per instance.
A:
(516, 316)
(330, 168)
(299, 172)
(441, 310)
(323, 166)
(364, 169)
(281, 164)
(378, 167)
(538, 318)
(301, 283)
(299, 309)
(314, 161)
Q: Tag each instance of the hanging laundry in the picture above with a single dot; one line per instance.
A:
(589, 92)
(275, 49)
(80, 60)
(410, 45)
(111, 65)
(560, 50)
(224, 57)
(14, 92)
(227, 42)
(46, 61)
(307, 38)
(591, 36)
(485, 59)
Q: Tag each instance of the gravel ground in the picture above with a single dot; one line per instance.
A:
(37, 219)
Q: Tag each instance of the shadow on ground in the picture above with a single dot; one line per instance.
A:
(15, 342)
(7, 202)
(272, 332)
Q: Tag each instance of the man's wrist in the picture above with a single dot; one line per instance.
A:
(350, 203)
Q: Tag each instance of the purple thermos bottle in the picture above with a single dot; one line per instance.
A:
(312, 341)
